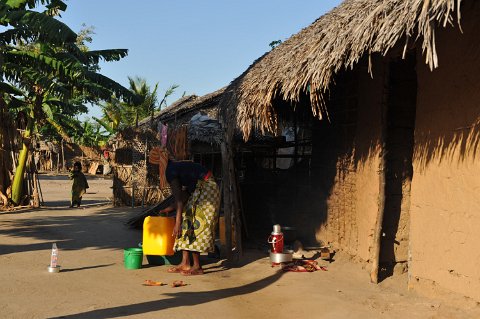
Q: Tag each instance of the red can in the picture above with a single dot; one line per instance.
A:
(276, 240)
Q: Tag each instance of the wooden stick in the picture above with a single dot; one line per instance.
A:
(377, 239)
(40, 191)
(227, 209)
(63, 158)
(241, 211)
(36, 198)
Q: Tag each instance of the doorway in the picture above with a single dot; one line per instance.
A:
(399, 138)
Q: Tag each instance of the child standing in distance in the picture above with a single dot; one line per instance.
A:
(79, 186)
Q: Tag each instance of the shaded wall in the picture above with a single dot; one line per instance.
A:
(351, 145)
(445, 201)
(275, 194)
(399, 139)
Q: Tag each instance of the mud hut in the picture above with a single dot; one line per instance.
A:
(188, 128)
(135, 181)
(394, 160)
(193, 129)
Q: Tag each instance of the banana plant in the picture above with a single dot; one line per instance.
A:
(40, 56)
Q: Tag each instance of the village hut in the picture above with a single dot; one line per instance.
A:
(193, 128)
(50, 156)
(188, 128)
(135, 182)
(393, 168)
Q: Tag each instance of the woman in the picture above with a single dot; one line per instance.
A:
(79, 186)
(197, 200)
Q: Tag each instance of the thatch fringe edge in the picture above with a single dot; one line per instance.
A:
(336, 41)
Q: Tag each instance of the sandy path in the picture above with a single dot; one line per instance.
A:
(94, 284)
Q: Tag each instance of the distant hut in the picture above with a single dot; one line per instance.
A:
(393, 175)
(135, 182)
(188, 128)
(195, 116)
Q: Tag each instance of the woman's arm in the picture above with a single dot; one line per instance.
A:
(168, 209)
(177, 194)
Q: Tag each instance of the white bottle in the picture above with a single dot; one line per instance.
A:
(54, 257)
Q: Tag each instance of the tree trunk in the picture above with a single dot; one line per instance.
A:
(3, 152)
(6, 132)
(17, 187)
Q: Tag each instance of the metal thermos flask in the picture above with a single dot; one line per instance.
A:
(276, 239)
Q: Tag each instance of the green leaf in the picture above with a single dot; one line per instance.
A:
(16, 3)
(107, 55)
(45, 27)
(7, 88)
(47, 110)
(104, 125)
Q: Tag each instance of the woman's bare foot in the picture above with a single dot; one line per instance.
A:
(178, 269)
(192, 272)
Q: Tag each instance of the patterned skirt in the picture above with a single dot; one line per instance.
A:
(199, 218)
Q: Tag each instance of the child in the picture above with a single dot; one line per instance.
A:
(79, 186)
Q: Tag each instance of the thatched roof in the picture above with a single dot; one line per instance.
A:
(204, 128)
(307, 61)
(184, 108)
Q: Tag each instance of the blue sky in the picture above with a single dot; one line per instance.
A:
(199, 45)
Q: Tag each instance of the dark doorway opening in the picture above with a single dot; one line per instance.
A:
(399, 138)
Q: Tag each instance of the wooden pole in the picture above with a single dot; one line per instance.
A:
(133, 195)
(241, 210)
(377, 239)
(28, 184)
(228, 179)
(236, 215)
(146, 170)
(40, 190)
(227, 208)
(36, 198)
(63, 158)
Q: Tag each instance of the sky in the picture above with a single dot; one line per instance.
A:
(199, 45)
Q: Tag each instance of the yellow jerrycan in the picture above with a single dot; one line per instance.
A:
(157, 235)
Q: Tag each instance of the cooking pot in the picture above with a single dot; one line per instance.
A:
(284, 257)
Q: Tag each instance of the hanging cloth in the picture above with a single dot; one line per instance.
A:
(164, 135)
(159, 156)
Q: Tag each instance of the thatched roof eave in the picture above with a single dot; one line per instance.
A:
(186, 104)
(337, 40)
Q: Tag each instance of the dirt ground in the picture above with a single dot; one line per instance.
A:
(93, 282)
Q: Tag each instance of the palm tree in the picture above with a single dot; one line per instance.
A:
(118, 115)
(145, 104)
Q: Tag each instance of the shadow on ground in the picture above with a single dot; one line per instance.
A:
(105, 229)
(180, 299)
(72, 229)
(69, 230)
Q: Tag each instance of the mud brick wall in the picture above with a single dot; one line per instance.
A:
(347, 152)
(445, 201)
